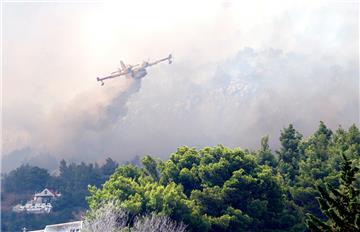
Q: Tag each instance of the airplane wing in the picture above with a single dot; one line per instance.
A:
(161, 60)
(113, 75)
(123, 66)
(117, 71)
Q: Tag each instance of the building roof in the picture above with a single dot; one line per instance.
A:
(47, 193)
(63, 227)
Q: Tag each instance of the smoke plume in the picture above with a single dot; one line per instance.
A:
(240, 72)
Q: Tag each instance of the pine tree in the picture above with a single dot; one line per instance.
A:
(314, 168)
(290, 153)
(264, 155)
(341, 206)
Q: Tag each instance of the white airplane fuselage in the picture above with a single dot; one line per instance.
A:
(135, 71)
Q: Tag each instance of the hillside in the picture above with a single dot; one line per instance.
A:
(212, 189)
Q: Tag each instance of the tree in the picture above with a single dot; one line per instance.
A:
(109, 167)
(150, 166)
(348, 143)
(19, 185)
(341, 206)
(264, 155)
(26, 179)
(109, 218)
(212, 189)
(314, 168)
(290, 153)
(157, 223)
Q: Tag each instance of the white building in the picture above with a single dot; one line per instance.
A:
(63, 227)
(41, 203)
(32, 207)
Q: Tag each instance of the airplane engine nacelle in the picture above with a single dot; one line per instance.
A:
(139, 73)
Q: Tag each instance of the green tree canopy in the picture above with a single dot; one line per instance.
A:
(290, 153)
(25, 179)
(341, 206)
(264, 155)
(212, 189)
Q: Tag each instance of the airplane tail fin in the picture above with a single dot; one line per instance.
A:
(169, 58)
(123, 66)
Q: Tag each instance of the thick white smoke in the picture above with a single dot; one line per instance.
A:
(235, 102)
(240, 71)
(82, 125)
(249, 95)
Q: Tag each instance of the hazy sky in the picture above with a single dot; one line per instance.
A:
(242, 70)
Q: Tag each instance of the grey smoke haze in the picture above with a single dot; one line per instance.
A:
(252, 94)
(230, 84)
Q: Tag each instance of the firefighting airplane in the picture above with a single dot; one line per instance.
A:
(133, 71)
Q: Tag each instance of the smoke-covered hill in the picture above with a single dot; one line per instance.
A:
(247, 96)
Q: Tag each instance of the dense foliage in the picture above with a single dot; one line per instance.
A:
(222, 189)
(341, 206)
(211, 189)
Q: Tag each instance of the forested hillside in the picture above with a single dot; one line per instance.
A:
(220, 189)
(72, 182)
(208, 189)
